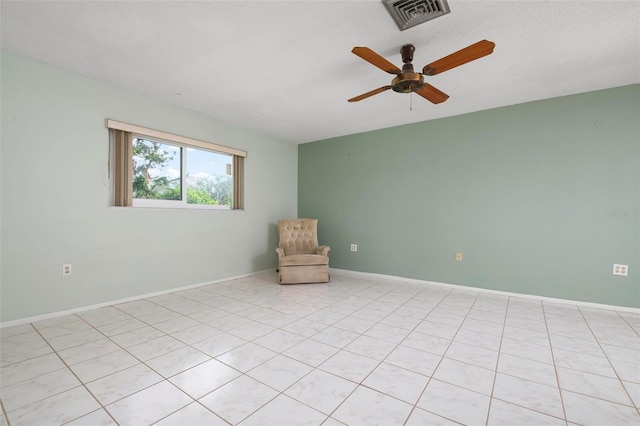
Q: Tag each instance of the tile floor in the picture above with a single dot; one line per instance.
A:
(361, 350)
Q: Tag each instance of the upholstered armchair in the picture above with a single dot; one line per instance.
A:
(300, 259)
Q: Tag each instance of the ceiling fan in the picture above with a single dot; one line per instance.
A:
(409, 81)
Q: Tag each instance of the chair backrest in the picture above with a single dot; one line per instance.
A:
(298, 236)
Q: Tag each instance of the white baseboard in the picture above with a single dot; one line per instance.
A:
(116, 302)
(490, 291)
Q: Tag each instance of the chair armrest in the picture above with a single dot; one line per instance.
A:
(280, 252)
(323, 250)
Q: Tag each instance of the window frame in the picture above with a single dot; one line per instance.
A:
(183, 143)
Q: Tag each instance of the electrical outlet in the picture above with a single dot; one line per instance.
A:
(354, 247)
(66, 269)
(620, 269)
(458, 257)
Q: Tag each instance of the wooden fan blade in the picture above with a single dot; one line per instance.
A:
(376, 60)
(468, 54)
(432, 94)
(371, 93)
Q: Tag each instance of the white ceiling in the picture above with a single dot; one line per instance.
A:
(285, 68)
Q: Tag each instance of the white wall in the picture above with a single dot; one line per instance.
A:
(54, 188)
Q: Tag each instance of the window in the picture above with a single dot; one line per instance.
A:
(157, 169)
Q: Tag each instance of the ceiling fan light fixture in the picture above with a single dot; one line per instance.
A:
(409, 13)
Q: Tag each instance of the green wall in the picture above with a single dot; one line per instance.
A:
(55, 187)
(541, 198)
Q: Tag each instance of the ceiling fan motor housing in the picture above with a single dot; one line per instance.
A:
(407, 82)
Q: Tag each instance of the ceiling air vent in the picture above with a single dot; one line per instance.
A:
(409, 13)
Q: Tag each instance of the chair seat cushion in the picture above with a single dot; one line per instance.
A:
(304, 259)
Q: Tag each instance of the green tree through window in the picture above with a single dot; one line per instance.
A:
(159, 171)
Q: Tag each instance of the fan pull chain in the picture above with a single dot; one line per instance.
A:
(411, 101)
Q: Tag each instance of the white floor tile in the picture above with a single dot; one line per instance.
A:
(369, 314)
(387, 332)
(427, 343)
(88, 351)
(526, 335)
(120, 327)
(414, 360)
(585, 346)
(537, 397)
(583, 362)
(334, 336)
(192, 415)
(524, 349)
(279, 340)
(20, 347)
(324, 317)
(204, 378)
(397, 382)
(238, 399)
(62, 329)
(97, 418)
(176, 324)
(285, 411)
(219, 344)
(157, 316)
(38, 388)
(354, 324)
(482, 326)
(280, 372)
(634, 392)
(304, 327)
(137, 336)
(626, 370)
(357, 409)
(586, 410)
(196, 333)
(503, 413)
(209, 315)
(229, 322)
(278, 319)
(16, 329)
(154, 348)
(24, 370)
(177, 361)
(74, 339)
(465, 375)
(445, 318)
(371, 347)
(104, 315)
(400, 321)
(49, 322)
(420, 417)
(321, 390)
(435, 329)
(251, 330)
(393, 335)
(342, 308)
(246, 357)
(123, 383)
(454, 403)
(593, 385)
(311, 352)
(57, 409)
(528, 369)
(149, 405)
(618, 353)
(480, 340)
(474, 355)
(95, 368)
(349, 366)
